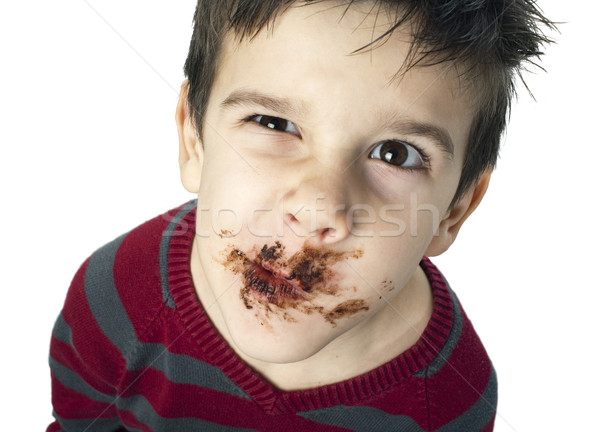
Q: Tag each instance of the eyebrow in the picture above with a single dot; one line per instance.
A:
(280, 105)
(440, 136)
(284, 106)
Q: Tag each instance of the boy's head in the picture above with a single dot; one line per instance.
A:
(486, 41)
(325, 172)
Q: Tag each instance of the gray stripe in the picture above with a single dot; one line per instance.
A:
(62, 330)
(369, 419)
(449, 345)
(90, 425)
(146, 414)
(103, 298)
(183, 369)
(362, 419)
(71, 380)
(165, 244)
(106, 306)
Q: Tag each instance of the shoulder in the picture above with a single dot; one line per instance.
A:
(120, 289)
(132, 269)
(461, 384)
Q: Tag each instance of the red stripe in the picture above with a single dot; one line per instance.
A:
(136, 273)
(192, 401)
(407, 398)
(65, 355)
(71, 405)
(54, 427)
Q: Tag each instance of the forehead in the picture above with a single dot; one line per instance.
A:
(311, 56)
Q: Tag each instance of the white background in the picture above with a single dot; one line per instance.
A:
(89, 150)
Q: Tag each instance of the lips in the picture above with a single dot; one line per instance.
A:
(271, 276)
(274, 286)
(276, 271)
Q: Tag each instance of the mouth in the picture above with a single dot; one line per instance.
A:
(272, 286)
(271, 276)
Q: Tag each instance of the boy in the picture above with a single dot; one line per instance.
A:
(332, 146)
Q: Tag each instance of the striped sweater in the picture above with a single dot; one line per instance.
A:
(133, 350)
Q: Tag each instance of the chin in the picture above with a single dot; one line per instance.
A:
(275, 354)
(274, 341)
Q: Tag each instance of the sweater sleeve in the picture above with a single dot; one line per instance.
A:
(86, 366)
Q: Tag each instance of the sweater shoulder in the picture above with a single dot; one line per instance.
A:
(130, 273)
(461, 381)
(124, 284)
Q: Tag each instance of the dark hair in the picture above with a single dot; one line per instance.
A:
(492, 40)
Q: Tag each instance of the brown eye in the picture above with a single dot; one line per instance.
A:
(273, 122)
(276, 124)
(393, 153)
(398, 154)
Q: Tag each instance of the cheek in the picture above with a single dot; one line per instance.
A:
(391, 262)
(238, 202)
(424, 221)
(391, 185)
(407, 219)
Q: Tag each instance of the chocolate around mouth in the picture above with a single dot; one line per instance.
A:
(272, 287)
(271, 278)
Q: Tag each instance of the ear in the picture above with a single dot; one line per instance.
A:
(190, 147)
(457, 215)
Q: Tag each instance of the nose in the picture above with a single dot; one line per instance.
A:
(316, 208)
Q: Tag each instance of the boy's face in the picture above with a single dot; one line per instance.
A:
(323, 179)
